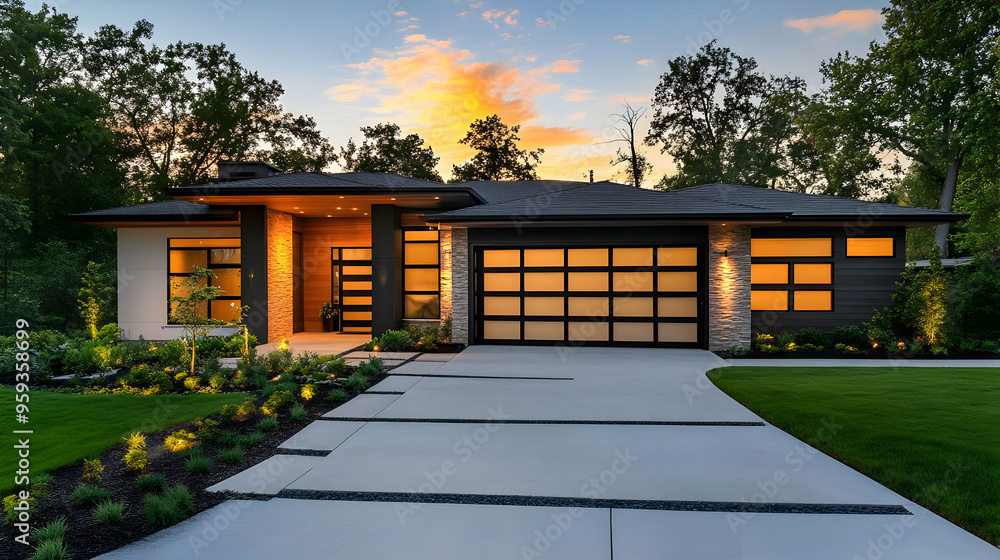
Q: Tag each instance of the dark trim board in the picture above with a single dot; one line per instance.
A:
(860, 284)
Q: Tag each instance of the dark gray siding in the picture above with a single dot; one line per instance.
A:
(860, 284)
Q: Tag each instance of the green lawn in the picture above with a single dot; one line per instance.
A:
(69, 428)
(931, 434)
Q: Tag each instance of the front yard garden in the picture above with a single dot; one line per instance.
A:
(929, 434)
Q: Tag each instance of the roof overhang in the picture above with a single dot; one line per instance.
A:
(601, 221)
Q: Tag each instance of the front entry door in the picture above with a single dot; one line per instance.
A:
(352, 288)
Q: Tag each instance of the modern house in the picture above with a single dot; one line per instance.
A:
(522, 262)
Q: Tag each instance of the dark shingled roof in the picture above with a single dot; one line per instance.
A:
(166, 210)
(307, 181)
(565, 200)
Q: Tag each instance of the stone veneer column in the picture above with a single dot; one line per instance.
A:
(444, 246)
(728, 287)
(279, 275)
(460, 293)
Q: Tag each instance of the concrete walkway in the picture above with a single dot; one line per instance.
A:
(506, 452)
(319, 343)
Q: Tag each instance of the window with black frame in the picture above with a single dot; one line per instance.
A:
(221, 256)
(421, 274)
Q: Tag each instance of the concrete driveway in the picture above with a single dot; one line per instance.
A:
(584, 453)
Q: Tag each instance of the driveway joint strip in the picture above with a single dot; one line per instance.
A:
(304, 452)
(568, 422)
(384, 392)
(481, 376)
(601, 503)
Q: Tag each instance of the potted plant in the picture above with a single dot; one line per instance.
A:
(330, 316)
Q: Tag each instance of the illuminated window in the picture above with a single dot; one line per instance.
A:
(768, 300)
(222, 257)
(809, 300)
(869, 247)
(677, 256)
(421, 275)
(769, 273)
(793, 247)
(813, 273)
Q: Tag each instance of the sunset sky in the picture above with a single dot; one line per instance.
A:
(558, 68)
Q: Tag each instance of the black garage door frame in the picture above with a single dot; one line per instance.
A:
(476, 285)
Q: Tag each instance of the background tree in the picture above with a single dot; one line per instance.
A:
(498, 156)
(926, 92)
(385, 150)
(723, 121)
(637, 167)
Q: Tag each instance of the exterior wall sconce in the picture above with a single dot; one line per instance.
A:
(725, 253)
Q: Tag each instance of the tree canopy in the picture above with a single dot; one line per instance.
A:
(385, 150)
(498, 158)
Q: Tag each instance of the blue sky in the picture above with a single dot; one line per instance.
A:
(557, 67)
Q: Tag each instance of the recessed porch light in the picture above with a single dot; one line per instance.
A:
(353, 208)
(329, 215)
(338, 208)
(437, 198)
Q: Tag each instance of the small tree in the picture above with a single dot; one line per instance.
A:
(637, 166)
(95, 295)
(497, 156)
(186, 309)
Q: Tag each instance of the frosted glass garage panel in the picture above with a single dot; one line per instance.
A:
(632, 256)
(677, 281)
(544, 306)
(543, 282)
(502, 330)
(633, 307)
(493, 305)
(588, 257)
(678, 307)
(677, 332)
(768, 273)
(634, 281)
(588, 281)
(633, 332)
(791, 247)
(502, 282)
(544, 257)
(677, 256)
(768, 300)
(544, 330)
(498, 258)
(813, 273)
(588, 306)
(589, 331)
(821, 300)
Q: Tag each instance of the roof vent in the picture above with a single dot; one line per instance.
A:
(243, 170)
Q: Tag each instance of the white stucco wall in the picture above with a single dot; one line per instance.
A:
(142, 279)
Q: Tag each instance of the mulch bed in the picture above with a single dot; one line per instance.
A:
(868, 355)
(85, 539)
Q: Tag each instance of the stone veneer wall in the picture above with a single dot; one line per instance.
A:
(459, 292)
(444, 245)
(728, 287)
(279, 275)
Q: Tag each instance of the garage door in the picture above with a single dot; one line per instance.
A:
(603, 296)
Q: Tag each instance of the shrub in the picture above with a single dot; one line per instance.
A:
(977, 298)
(357, 382)
(218, 382)
(850, 335)
(247, 410)
(136, 458)
(879, 328)
(288, 386)
(394, 341)
(180, 440)
(54, 530)
(372, 367)
(276, 402)
(232, 455)
(764, 341)
(93, 470)
(338, 395)
(10, 502)
(52, 549)
(268, 424)
(86, 494)
(810, 335)
(208, 429)
(278, 361)
(192, 383)
(172, 507)
(152, 482)
(108, 511)
(251, 439)
(308, 391)
(298, 412)
(198, 465)
(333, 365)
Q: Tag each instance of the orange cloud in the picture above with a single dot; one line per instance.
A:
(349, 92)
(577, 116)
(401, 13)
(577, 95)
(839, 23)
(623, 38)
(435, 90)
(558, 67)
(421, 38)
(645, 61)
